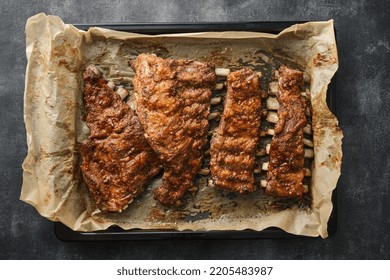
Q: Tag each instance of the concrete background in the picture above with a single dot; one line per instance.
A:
(363, 106)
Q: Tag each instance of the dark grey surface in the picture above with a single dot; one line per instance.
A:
(363, 106)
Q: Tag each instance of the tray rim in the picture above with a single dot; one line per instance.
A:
(115, 233)
(153, 28)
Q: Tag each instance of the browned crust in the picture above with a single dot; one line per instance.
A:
(172, 99)
(118, 163)
(285, 169)
(234, 142)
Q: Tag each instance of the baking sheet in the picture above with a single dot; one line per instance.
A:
(58, 53)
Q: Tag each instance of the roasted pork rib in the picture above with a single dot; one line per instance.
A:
(118, 162)
(234, 142)
(172, 101)
(286, 165)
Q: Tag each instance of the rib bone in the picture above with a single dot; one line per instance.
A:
(222, 71)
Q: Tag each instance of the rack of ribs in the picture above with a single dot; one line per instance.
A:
(286, 165)
(118, 162)
(234, 143)
(172, 101)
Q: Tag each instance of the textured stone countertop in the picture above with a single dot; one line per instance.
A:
(363, 109)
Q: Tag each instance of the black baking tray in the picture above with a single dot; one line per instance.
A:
(115, 233)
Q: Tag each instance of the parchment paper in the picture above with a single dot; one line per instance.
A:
(57, 55)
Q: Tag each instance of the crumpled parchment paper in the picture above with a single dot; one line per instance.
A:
(57, 55)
